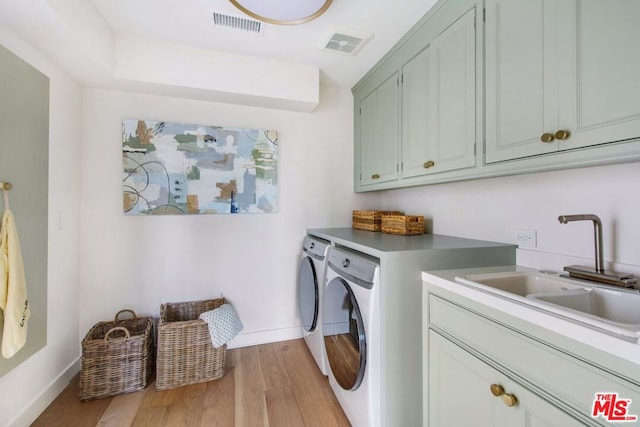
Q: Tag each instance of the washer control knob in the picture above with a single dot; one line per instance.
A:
(346, 263)
(312, 245)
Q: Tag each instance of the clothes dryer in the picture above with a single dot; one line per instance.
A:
(351, 330)
(311, 281)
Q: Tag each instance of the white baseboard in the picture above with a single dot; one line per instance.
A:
(48, 395)
(263, 337)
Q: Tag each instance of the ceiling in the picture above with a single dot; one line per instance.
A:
(189, 22)
(170, 47)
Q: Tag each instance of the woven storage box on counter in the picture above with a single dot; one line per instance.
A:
(185, 353)
(370, 220)
(117, 357)
(405, 225)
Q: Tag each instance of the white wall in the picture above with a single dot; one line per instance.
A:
(31, 386)
(491, 208)
(140, 262)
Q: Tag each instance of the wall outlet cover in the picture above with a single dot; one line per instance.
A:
(525, 237)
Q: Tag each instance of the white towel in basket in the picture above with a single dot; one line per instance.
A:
(224, 324)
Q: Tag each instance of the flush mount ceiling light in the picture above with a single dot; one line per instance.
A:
(283, 12)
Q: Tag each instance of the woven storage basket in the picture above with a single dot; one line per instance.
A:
(185, 353)
(117, 357)
(370, 220)
(405, 225)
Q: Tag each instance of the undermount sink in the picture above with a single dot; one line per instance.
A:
(607, 308)
(618, 307)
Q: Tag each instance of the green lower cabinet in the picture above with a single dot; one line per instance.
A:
(465, 391)
(483, 367)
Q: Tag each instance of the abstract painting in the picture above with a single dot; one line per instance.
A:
(175, 169)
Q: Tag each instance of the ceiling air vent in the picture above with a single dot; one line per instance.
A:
(344, 41)
(237, 23)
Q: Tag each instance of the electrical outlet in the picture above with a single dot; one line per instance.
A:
(525, 237)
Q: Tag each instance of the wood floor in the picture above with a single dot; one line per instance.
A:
(275, 385)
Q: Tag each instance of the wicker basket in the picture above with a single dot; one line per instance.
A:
(117, 357)
(185, 353)
(370, 220)
(404, 225)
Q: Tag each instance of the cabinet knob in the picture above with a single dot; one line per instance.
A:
(497, 390)
(563, 134)
(428, 164)
(547, 137)
(375, 176)
(509, 399)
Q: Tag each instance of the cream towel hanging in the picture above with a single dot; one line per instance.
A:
(13, 289)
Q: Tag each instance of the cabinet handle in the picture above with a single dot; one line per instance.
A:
(547, 137)
(497, 390)
(563, 134)
(428, 164)
(509, 399)
(375, 176)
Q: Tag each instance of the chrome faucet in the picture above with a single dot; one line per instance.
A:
(597, 235)
(598, 274)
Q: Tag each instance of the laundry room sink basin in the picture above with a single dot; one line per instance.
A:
(519, 283)
(617, 307)
(602, 307)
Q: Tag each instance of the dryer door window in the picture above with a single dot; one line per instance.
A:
(308, 297)
(344, 337)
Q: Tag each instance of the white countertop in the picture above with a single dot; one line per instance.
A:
(443, 282)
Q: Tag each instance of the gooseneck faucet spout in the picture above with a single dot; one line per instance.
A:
(598, 274)
(597, 235)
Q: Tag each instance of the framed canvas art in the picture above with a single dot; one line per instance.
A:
(176, 169)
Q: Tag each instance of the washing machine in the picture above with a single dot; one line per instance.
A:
(351, 330)
(311, 280)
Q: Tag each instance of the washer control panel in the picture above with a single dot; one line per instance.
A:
(315, 247)
(352, 265)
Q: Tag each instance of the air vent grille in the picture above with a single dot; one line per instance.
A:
(237, 23)
(343, 43)
(343, 40)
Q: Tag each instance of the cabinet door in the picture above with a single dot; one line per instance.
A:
(600, 91)
(460, 393)
(417, 146)
(521, 77)
(379, 134)
(452, 83)
(438, 103)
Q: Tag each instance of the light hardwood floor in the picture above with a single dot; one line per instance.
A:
(275, 385)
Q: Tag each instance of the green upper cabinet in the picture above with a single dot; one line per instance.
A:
(603, 102)
(415, 113)
(378, 132)
(500, 87)
(560, 75)
(438, 103)
(521, 78)
(416, 148)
